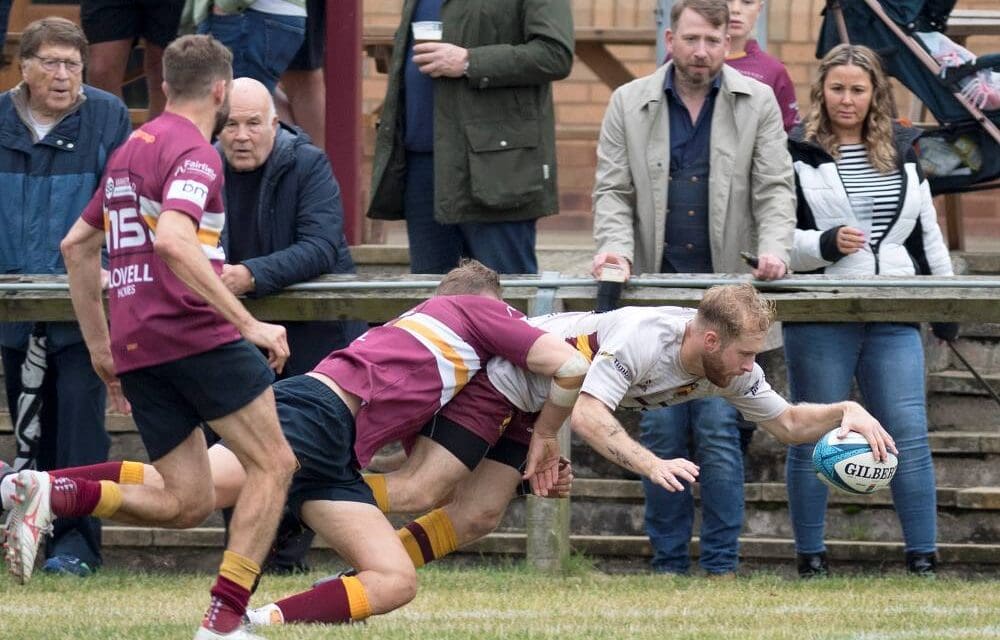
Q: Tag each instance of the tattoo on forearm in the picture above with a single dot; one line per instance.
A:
(620, 458)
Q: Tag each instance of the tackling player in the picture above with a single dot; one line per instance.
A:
(181, 346)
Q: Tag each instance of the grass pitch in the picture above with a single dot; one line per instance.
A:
(515, 602)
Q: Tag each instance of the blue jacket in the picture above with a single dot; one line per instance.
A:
(300, 221)
(45, 187)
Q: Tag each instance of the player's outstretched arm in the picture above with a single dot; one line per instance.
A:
(177, 244)
(552, 356)
(805, 423)
(81, 249)
(595, 423)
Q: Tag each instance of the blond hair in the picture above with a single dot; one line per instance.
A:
(470, 277)
(876, 132)
(734, 310)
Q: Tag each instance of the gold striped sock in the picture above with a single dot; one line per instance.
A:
(357, 598)
(239, 569)
(132, 472)
(110, 501)
(428, 538)
(376, 481)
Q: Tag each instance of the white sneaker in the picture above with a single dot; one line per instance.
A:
(29, 519)
(239, 634)
(265, 616)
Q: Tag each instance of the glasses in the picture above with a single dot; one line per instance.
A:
(52, 64)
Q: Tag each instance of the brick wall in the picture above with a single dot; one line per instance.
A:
(581, 98)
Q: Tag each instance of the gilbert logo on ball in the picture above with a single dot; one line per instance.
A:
(848, 464)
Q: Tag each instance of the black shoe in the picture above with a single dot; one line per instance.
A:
(813, 565)
(921, 564)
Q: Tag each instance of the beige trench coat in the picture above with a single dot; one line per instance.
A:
(751, 182)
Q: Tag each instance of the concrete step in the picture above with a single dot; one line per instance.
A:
(199, 549)
(976, 263)
(956, 412)
(615, 507)
(962, 382)
(982, 352)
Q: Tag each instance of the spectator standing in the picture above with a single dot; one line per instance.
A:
(746, 56)
(284, 224)
(57, 136)
(679, 190)
(113, 26)
(465, 152)
(263, 35)
(865, 208)
(303, 83)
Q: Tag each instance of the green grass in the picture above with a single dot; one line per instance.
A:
(514, 602)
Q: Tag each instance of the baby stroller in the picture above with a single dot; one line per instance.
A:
(963, 153)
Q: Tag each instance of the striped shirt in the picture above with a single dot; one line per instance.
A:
(166, 165)
(407, 369)
(866, 187)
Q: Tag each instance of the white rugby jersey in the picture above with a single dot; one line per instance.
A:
(635, 364)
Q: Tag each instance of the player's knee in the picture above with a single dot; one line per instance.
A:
(482, 522)
(194, 510)
(404, 586)
(279, 464)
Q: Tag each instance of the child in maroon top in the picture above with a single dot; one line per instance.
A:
(746, 56)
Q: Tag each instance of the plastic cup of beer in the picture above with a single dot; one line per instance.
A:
(863, 209)
(426, 31)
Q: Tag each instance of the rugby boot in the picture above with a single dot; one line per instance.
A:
(29, 519)
(237, 634)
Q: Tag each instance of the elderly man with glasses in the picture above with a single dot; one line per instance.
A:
(56, 134)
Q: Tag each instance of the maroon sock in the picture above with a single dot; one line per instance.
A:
(74, 498)
(229, 603)
(102, 471)
(326, 602)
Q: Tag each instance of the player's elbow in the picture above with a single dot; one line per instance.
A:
(784, 429)
(168, 247)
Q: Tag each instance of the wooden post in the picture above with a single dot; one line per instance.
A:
(548, 518)
(342, 68)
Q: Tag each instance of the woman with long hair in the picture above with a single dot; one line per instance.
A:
(864, 208)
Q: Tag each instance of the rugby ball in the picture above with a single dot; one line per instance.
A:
(848, 464)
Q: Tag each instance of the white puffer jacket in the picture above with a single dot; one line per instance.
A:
(912, 243)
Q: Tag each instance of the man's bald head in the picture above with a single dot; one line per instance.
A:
(248, 137)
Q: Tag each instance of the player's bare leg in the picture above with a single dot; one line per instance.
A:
(360, 534)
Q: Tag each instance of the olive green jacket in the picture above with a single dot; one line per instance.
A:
(494, 130)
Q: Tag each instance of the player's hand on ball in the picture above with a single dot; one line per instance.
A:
(857, 419)
(669, 473)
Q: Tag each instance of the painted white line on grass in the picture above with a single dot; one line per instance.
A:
(965, 632)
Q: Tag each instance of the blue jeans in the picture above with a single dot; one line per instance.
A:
(711, 425)
(73, 434)
(888, 362)
(262, 43)
(505, 247)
